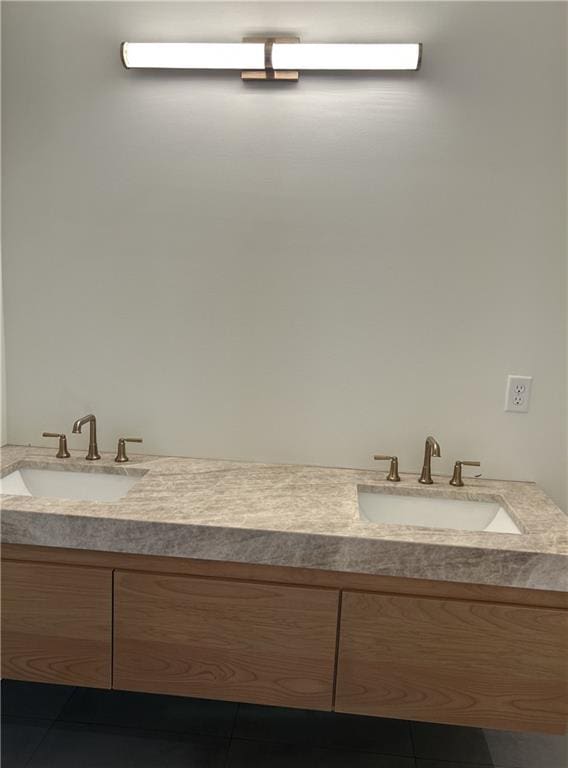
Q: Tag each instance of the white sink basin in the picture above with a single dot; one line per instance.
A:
(60, 484)
(428, 512)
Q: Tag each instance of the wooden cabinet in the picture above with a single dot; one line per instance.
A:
(452, 661)
(433, 651)
(56, 624)
(233, 640)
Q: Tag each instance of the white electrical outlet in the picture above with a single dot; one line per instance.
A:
(518, 393)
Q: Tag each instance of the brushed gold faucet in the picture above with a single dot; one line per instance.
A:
(93, 452)
(62, 452)
(457, 479)
(393, 475)
(121, 448)
(432, 448)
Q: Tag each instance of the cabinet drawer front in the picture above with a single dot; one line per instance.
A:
(56, 624)
(239, 641)
(448, 661)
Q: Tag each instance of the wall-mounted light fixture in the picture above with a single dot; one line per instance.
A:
(275, 58)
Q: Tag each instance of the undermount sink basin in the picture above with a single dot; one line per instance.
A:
(431, 512)
(61, 484)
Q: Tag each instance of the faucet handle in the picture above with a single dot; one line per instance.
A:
(393, 475)
(457, 479)
(121, 448)
(62, 452)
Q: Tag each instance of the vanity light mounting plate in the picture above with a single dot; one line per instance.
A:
(269, 73)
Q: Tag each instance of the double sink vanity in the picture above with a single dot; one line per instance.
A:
(300, 586)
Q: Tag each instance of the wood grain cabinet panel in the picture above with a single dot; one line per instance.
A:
(56, 624)
(451, 661)
(239, 641)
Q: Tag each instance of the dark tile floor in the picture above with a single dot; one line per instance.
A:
(48, 726)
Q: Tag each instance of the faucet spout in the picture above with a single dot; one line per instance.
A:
(431, 448)
(90, 419)
(435, 446)
(77, 425)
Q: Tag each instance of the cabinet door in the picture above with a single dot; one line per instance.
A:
(449, 661)
(239, 641)
(56, 624)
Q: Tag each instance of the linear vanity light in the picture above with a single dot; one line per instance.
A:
(276, 58)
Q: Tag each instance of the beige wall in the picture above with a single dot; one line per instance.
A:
(3, 402)
(308, 273)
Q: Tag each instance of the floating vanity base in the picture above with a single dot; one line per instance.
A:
(436, 651)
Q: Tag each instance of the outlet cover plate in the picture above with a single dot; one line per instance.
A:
(518, 393)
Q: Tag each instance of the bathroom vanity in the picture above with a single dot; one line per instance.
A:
(270, 584)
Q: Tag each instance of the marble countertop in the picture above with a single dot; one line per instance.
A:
(280, 514)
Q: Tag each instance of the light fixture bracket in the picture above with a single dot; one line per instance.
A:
(269, 73)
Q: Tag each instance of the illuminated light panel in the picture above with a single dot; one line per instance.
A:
(193, 55)
(346, 56)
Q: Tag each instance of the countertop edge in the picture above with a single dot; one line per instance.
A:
(379, 557)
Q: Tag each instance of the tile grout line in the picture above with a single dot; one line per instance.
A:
(94, 724)
(330, 748)
(443, 761)
(233, 725)
(232, 737)
(48, 731)
(411, 734)
(43, 738)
